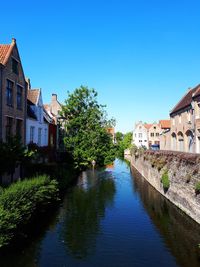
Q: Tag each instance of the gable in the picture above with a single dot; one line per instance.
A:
(8, 54)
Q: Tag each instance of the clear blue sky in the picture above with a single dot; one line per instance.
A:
(140, 55)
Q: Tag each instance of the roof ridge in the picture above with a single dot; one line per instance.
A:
(181, 100)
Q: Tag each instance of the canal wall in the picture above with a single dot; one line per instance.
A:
(183, 174)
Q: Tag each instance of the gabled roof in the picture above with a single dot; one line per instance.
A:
(165, 124)
(147, 126)
(33, 95)
(197, 92)
(186, 99)
(5, 51)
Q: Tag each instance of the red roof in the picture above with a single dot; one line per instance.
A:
(5, 51)
(165, 124)
(147, 126)
(33, 95)
(186, 100)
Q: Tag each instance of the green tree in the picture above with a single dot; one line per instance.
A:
(119, 137)
(123, 142)
(86, 137)
(12, 153)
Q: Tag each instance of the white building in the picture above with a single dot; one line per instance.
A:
(140, 135)
(36, 125)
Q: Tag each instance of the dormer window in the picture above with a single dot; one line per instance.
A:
(15, 66)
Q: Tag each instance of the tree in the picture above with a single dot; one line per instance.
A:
(12, 153)
(86, 137)
(123, 142)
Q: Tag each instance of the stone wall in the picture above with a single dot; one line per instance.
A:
(183, 170)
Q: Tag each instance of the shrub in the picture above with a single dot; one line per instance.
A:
(20, 202)
(197, 188)
(165, 180)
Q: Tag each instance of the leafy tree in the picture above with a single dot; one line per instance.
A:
(86, 137)
(12, 153)
(123, 142)
(119, 137)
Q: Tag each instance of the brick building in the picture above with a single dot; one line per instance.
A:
(13, 93)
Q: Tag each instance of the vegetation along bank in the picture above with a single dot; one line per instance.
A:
(174, 174)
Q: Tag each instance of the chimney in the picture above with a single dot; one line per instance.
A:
(54, 97)
(28, 83)
(13, 41)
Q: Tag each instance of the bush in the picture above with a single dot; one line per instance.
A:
(20, 202)
(197, 188)
(165, 180)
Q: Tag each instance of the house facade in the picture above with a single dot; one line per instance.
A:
(57, 127)
(165, 134)
(140, 135)
(13, 93)
(184, 117)
(154, 135)
(37, 126)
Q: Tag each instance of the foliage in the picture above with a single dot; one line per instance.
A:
(12, 153)
(65, 173)
(165, 180)
(197, 188)
(86, 137)
(123, 142)
(20, 202)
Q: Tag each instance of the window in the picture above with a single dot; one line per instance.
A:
(19, 128)
(140, 135)
(9, 93)
(39, 136)
(15, 66)
(9, 124)
(32, 130)
(19, 97)
(152, 134)
(154, 127)
(157, 134)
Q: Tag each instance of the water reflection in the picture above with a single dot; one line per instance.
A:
(180, 233)
(85, 209)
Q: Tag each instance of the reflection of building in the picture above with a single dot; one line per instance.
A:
(185, 122)
(13, 90)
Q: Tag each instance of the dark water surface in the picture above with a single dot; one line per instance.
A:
(112, 218)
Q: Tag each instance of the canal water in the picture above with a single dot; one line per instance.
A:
(111, 218)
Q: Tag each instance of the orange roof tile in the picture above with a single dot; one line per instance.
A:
(165, 124)
(32, 95)
(4, 49)
(147, 126)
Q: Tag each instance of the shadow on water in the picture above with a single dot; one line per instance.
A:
(85, 209)
(22, 252)
(180, 233)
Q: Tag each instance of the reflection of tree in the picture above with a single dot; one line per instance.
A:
(180, 233)
(85, 210)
